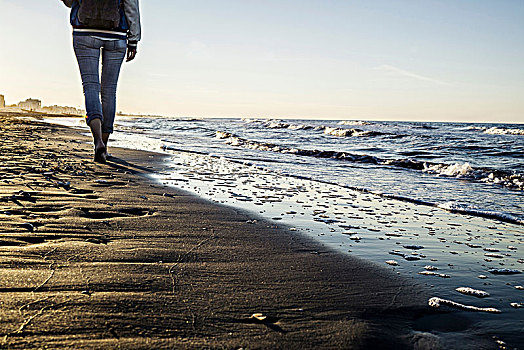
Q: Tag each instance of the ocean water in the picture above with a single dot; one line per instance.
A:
(477, 168)
(438, 202)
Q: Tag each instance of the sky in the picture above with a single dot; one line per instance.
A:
(445, 60)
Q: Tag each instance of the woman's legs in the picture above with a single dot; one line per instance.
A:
(100, 114)
(113, 53)
(87, 51)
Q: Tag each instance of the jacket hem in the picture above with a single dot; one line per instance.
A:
(99, 32)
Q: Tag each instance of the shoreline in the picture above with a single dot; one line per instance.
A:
(146, 265)
(510, 217)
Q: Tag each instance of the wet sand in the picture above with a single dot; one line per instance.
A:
(100, 256)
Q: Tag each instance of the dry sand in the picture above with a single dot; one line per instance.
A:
(99, 256)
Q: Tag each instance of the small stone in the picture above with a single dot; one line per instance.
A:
(411, 258)
(491, 250)
(413, 246)
(471, 291)
(504, 271)
(493, 255)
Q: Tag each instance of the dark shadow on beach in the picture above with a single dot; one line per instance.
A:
(124, 165)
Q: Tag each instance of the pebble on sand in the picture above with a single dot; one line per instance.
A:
(413, 247)
(431, 273)
(504, 271)
(436, 302)
(471, 291)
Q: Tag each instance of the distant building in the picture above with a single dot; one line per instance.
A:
(61, 110)
(35, 105)
(30, 104)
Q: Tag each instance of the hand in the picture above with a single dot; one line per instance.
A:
(131, 53)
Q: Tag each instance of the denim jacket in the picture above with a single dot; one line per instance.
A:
(129, 23)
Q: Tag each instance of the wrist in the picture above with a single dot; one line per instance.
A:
(132, 45)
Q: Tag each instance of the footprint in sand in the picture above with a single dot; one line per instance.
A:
(109, 214)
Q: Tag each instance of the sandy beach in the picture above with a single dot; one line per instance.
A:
(100, 256)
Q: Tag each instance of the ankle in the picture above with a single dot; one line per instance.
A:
(99, 145)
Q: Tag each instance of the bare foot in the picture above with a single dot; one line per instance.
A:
(100, 154)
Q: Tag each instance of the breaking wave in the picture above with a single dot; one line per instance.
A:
(496, 130)
(342, 132)
(354, 122)
(501, 131)
(462, 171)
(490, 214)
(338, 132)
